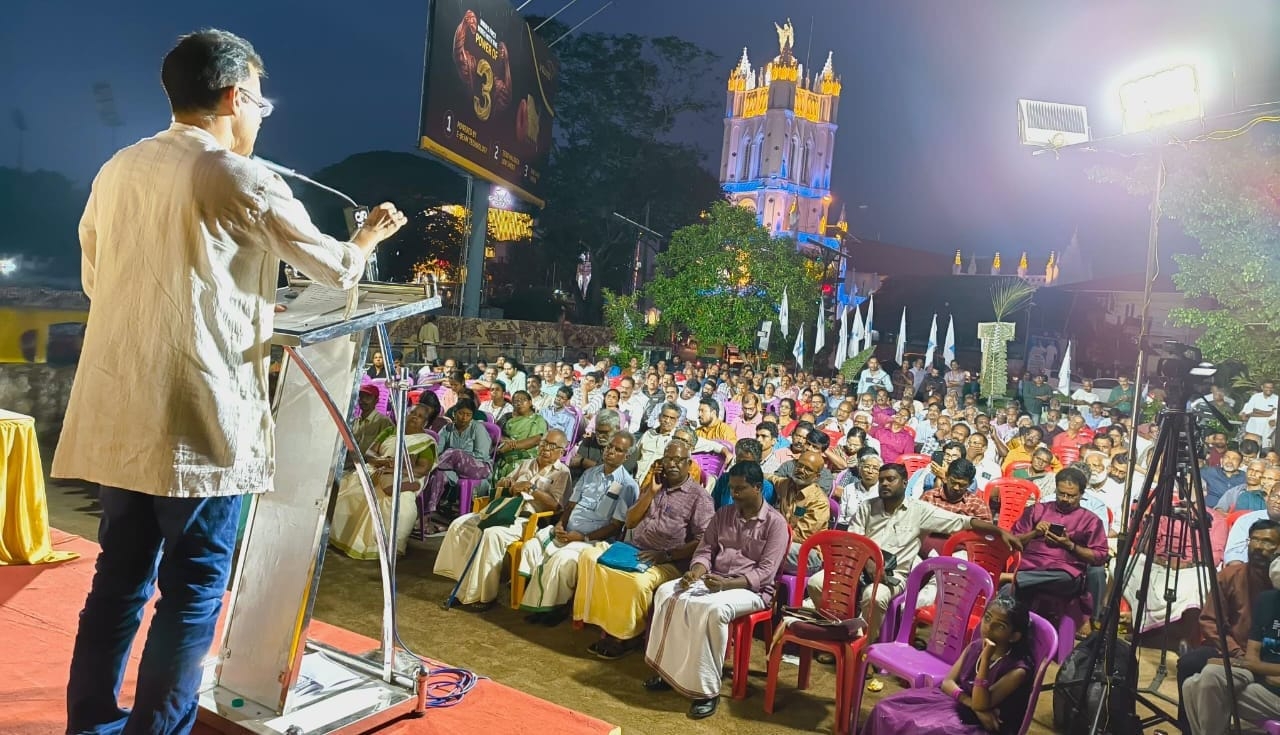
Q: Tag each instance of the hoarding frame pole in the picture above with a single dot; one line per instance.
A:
(478, 203)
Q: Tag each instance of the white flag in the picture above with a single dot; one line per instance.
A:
(784, 313)
(855, 336)
(949, 347)
(798, 350)
(820, 339)
(871, 309)
(1064, 373)
(902, 339)
(933, 343)
(842, 346)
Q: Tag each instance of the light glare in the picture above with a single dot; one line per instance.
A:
(1163, 98)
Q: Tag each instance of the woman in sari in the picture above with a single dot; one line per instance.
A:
(787, 417)
(521, 433)
(435, 420)
(353, 524)
(466, 451)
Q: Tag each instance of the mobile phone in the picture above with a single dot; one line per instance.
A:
(1057, 529)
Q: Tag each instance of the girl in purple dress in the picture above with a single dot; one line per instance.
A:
(987, 690)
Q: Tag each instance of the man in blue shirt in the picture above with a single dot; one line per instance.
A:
(596, 511)
(746, 450)
(1218, 480)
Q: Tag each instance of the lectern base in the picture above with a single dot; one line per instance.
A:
(359, 705)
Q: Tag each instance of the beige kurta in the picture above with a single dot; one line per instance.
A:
(182, 241)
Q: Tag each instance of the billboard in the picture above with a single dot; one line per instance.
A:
(488, 90)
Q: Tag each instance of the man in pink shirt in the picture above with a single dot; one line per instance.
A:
(745, 425)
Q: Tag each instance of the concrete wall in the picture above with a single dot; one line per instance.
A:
(41, 391)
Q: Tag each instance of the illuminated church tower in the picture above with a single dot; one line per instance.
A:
(779, 136)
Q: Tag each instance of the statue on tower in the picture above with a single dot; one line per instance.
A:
(786, 37)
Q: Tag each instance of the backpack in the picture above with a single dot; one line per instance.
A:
(1072, 717)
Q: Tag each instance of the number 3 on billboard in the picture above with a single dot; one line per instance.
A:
(484, 101)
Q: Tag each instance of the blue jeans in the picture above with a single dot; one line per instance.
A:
(186, 545)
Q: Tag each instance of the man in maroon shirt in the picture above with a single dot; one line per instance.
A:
(1060, 541)
(666, 525)
(731, 574)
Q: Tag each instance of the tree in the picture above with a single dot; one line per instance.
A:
(41, 211)
(622, 315)
(1226, 195)
(619, 98)
(723, 277)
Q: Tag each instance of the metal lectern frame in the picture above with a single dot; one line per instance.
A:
(250, 685)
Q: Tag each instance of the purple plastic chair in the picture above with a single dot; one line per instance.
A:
(466, 485)
(576, 438)
(961, 584)
(1044, 642)
(1272, 727)
(711, 464)
(732, 411)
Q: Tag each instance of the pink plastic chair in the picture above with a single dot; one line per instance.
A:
(960, 584)
(466, 485)
(711, 464)
(732, 411)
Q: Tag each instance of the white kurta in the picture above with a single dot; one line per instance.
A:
(182, 241)
(489, 545)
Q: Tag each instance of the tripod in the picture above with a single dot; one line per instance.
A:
(1171, 503)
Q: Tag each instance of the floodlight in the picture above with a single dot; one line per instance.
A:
(1163, 98)
(1052, 124)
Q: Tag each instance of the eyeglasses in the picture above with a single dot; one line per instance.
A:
(552, 445)
(265, 108)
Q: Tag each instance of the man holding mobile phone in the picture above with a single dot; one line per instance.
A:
(1061, 541)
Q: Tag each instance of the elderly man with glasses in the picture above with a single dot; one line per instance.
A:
(472, 552)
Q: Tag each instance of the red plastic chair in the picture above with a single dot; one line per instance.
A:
(844, 557)
(914, 462)
(742, 631)
(1015, 495)
(1015, 466)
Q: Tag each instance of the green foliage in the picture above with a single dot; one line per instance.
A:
(623, 316)
(851, 367)
(1010, 295)
(620, 98)
(1224, 194)
(721, 278)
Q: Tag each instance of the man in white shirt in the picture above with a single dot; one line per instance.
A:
(689, 400)
(1260, 410)
(873, 377)
(633, 402)
(533, 384)
(514, 378)
(183, 232)
(1084, 395)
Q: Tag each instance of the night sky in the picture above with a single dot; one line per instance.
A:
(928, 121)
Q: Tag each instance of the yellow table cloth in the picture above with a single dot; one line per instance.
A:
(24, 510)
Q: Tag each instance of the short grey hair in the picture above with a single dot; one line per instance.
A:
(608, 417)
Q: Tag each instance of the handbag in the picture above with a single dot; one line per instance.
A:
(890, 565)
(807, 622)
(624, 557)
(501, 512)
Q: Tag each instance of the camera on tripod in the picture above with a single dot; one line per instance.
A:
(1186, 377)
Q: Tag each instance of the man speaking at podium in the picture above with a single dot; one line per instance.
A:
(182, 238)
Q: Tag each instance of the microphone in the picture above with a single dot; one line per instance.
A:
(289, 173)
(355, 217)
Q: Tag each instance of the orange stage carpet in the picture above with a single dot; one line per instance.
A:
(38, 610)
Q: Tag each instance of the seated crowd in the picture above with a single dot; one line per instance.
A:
(659, 504)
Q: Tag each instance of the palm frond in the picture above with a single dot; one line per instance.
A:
(1009, 295)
